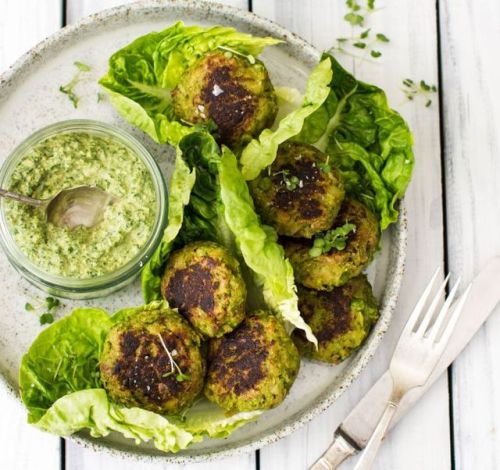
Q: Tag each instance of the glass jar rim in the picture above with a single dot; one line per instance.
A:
(20, 260)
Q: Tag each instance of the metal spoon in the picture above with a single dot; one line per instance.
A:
(82, 205)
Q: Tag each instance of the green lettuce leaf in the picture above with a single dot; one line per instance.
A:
(368, 141)
(63, 358)
(142, 74)
(91, 409)
(195, 209)
(181, 185)
(259, 245)
(261, 152)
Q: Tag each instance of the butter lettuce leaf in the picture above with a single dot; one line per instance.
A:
(368, 141)
(142, 74)
(261, 152)
(64, 358)
(181, 185)
(195, 209)
(91, 409)
(259, 245)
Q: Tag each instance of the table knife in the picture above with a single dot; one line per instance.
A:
(353, 433)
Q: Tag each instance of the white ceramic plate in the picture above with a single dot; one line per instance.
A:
(29, 99)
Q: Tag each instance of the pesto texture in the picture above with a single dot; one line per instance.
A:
(72, 159)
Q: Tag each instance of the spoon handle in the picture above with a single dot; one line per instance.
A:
(20, 198)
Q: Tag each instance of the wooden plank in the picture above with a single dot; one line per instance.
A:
(471, 105)
(412, 52)
(22, 25)
(79, 458)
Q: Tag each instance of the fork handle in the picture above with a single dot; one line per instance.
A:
(367, 458)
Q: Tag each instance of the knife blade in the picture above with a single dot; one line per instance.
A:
(353, 433)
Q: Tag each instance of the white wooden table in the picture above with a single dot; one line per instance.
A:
(454, 214)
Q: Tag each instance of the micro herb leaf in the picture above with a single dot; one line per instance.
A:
(68, 89)
(46, 318)
(182, 377)
(174, 367)
(82, 67)
(358, 13)
(28, 307)
(52, 303)
(421, 89)
(354, 19)
(332, 239)
(228, 52)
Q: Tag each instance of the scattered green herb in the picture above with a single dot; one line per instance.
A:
(332, 239)
(325, 166)
(356, 17)
(48, 306)
(174, 367)
(291, 182)
(46, 318)
(68, 89)
(422, 90)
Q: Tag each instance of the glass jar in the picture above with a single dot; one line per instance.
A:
(105, 284)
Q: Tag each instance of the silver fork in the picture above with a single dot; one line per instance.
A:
(415, 357)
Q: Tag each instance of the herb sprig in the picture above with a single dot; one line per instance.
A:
(332, 239)
(421, 89)
(174, 367)
(68, 89)
(48, 307)
(365, 39)
(291, 182)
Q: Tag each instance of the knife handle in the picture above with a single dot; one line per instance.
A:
(339, 450)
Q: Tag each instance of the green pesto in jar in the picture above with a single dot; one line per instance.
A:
(73, 159)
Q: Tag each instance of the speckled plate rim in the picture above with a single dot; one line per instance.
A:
(397, 255)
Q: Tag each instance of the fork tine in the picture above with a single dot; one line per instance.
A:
(422, 328)
(455, 315)
(443, 313)
(417, 310)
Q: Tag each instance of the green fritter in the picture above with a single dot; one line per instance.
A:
(204, 282)
(253, 367)
(301, 193)
(152, 360)
(340, 319)
(230, 90)
(335, 267)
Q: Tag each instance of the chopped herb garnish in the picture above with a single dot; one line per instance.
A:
(28, 307)
(332, 239)
(422, 89)
(325, 166)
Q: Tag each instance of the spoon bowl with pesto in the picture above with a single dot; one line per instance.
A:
(73, 207)
(98, 231)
